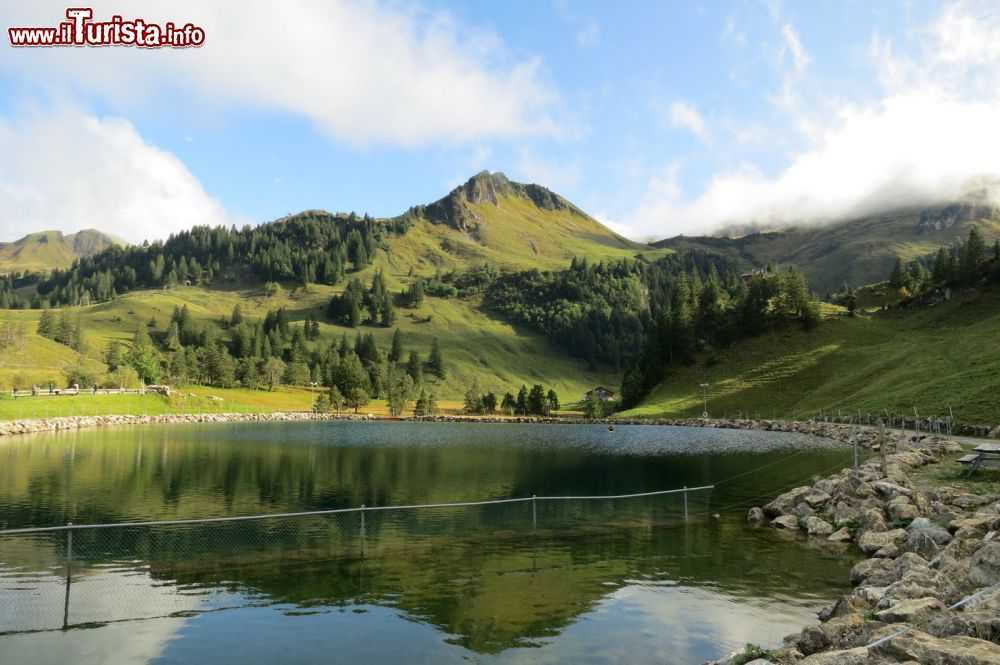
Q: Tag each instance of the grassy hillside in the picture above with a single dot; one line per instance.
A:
(932, 358)
(857, 251)
(477, 347)
(51, 249)
(487, 220)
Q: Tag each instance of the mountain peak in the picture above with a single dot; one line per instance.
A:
(490, 188)
(46, 250)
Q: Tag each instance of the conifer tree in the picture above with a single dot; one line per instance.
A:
(46, 324)
(521, 404)
(435, 360)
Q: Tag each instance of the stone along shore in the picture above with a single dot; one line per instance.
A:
(927, 549)
(28, 426)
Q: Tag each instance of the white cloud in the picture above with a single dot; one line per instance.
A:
(684, 115)
(800, 58)
(967, 36)
(910, 149)
(69, 171)
(931, 136)
(364, 72)
(589, 36)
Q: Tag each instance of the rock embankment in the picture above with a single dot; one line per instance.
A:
(840, 432)
(12, 427)
(926, 549)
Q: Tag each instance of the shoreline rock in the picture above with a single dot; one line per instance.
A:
(926, 549)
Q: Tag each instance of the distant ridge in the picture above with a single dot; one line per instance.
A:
(857, 251)
(49, 250)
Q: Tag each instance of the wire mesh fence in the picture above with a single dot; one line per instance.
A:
(78, 575)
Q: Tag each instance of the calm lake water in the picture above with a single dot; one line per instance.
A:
(627, 581)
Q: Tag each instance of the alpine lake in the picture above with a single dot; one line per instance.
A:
(538, 581)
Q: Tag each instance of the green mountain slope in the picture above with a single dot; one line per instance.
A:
(488, 220)
(477, 346)
(508, 224)
(929, 358)
(856, 251)
(47, 250)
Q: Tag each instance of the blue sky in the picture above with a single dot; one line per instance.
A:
(658, 118)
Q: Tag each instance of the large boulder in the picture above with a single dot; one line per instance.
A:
(785, 502)
(785, 522)
(984, 566)
(845, 606)
(817, 527)
(920, 543)
(972, 526)
(872, 541)
(756, 516)
(847, 631)
(889, 490)
(844, 512)
(953, 560)
(856, 656)
(902, 511)
(936, 532)
(910, 611)
(920, 647)
(842, 535)
(978, 623)
(873, 572)
(871, 595)
(873, 519)
(970, 501)
(816, 499)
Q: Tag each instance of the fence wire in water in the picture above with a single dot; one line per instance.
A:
(81, 575)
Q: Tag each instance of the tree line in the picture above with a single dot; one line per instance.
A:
(309, 248)
(264, 353)
(961, 265)
(536, 401)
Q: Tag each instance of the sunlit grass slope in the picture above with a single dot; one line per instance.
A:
(515, 235)
(478, 348)
(46, 250)
(933, 358)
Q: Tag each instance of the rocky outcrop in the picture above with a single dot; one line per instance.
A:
(928, 550)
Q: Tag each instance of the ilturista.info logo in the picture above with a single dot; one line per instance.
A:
(80, 29)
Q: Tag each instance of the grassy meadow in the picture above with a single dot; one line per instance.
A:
(478, 348)
(930, 359)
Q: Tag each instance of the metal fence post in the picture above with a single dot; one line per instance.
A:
(534, 513)
(854, 441)
(685, 503)
(69, 559)
(362, 531)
